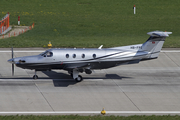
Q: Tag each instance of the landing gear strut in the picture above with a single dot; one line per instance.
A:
(76, 76)
(35, 76)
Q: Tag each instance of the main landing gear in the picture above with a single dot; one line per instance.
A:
(79, 78)
(75, 75)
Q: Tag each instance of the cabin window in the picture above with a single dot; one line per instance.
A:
(67, 55)
(74, 55)
(83, 55)
(94, 55)
(49, 54)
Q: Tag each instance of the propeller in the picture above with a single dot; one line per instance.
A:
(12, 61)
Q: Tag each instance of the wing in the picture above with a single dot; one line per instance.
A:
(77, 66)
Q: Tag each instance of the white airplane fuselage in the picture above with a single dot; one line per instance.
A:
(75, 58)
(85, 60)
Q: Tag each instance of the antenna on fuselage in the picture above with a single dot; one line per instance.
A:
(100, 47)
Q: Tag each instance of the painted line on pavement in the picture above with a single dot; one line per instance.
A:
(44, 50)
(21, 51)
(170, 50)
(94, 112)
(41, 80)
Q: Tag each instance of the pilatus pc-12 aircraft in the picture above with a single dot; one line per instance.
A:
(76, 61)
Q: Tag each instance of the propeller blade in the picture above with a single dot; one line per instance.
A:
(12, 69)
(13, 60)
(12, 52)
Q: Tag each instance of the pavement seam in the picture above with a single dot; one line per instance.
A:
(44, 96)
(172, 60)
(125, 94)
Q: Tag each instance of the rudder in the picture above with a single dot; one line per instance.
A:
(155, 42)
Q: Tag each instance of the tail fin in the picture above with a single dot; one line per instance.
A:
(155, 42)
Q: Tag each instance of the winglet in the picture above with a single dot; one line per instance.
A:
(100, 47)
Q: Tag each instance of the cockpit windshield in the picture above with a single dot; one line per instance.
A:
(44, 53)
(47, 54)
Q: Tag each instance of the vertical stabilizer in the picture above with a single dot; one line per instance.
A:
(155, 42)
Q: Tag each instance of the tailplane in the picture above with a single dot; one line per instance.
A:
(155, 42)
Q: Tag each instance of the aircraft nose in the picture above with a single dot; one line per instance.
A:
(11, 60)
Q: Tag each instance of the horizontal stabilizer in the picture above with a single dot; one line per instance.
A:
(159, 33)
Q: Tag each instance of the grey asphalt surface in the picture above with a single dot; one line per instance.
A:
(150, 87)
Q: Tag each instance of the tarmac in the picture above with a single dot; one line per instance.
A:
(148, 88)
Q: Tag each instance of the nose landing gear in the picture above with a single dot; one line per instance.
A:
(35, 76)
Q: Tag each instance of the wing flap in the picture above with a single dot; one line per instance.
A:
(77, 66)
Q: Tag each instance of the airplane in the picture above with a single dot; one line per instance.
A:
(79, 60)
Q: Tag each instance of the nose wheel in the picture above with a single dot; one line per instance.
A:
(35, 76)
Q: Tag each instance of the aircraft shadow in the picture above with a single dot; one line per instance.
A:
(60, 79)
(108, 76)
(64, 80)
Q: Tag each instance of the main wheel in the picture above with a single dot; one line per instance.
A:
(35, 77)
(79, 78)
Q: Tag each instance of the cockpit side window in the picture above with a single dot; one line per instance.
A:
(49, 54)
